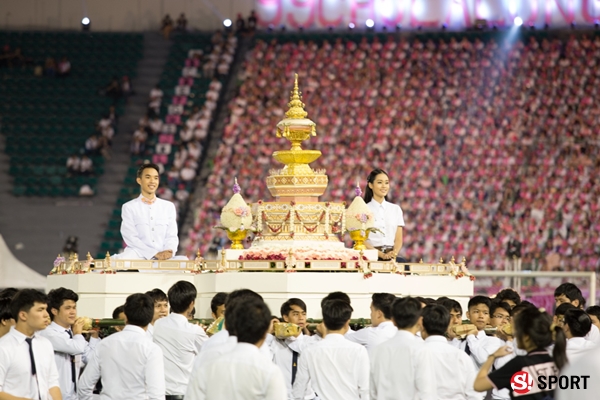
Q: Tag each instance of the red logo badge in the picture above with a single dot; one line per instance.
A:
(521, 382)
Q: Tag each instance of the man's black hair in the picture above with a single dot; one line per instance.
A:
(406, 312)
(428, 301)
(217, 300)
(450, 304)
(233, 300)
(5, 313)
(250, 319)
(336, 296)
(56, 298)
(477, 300)
(496, 304)
(181, 295)
(508, 294)
(157, 295)
(336, 313)
(9, 292)
(240, 293)
(523, 305)
(563, 308)
(139, 309)
(146, 166)
(571, 291)
(24, 300)
(119, 310)
(436, 319)
(287, 306)
(383, 302)
(593, 310)
(579, 322)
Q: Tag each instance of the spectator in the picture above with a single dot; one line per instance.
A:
(86, 165)
(73, 164)
(240, 24)
(50, 67)
(64, 67)
(252, 21)
(113, 89)
(182, 23)
(167, 26)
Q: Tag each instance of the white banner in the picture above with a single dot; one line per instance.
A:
(412, 14)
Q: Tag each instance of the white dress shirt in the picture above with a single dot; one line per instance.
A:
(593, 335)
(453, 370)
(222, 338)
(387, 217)
(586, 365)
(150, 331)
(180, 342)
(241, 374)
(336, 368)
(398, 371)
(64, 348)
(148, 229)
(283, 356)
(130, 365)
(480, 345)
(372, 336)
(15, 366)
(578, 346)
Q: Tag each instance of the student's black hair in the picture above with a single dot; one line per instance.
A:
(233, 300)
(406, 312)
(157, 295)
(24, 300)
(477, 300)
(593, 310)
(370, 179)
(9, 292)
(538, 326)
(508, 294)
(496, 304)
(217, 300)
(239, 294)
(146, 166)
(428, 301)
(335, 314)
(383, 302)
(563, 308)
(571, 291)
(336, 296)
(450, 304)
(287, 306)
(579, 322)
(181, 295)
(56, 298)
(119, 310)
(436, 319)
(250, 319)
(139, 309)
(5, 313)
(524, 304)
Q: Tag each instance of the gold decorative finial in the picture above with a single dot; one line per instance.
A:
(441, 260)
(452, 259)
(296, 106)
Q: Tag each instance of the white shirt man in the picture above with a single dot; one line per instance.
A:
(372, 336)
(283, 356)
(387, 217)
(587, 365)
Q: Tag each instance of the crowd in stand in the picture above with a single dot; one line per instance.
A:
(184, 130)
(413, 347)
(484, 141)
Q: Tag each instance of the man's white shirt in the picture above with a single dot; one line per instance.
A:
(283, 356)
(180, 342)
(131, 362)
(336, 368)
(372, 336)
(15, 366)
(241, 374)
(65, 347)
(481, 346)
(398, 371)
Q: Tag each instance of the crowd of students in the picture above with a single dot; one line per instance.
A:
(415, 348)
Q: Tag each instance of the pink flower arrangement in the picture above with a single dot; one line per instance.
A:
(363, 218)
(241, 211)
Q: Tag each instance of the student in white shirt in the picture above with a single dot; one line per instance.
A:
(128, 362)
(398, 371)
(287, 352)
(387, 217)
(454, 372)
(577, 325)
(149, 226)
(241, 373)
(455, 310)
(587, 365)
(71, 350)
(27, 367)
(382, 328)
(6, 319)
(335, 367)
(161, 308)
(179, 340)
(217, 305)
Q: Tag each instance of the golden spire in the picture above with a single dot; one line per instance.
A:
(296, 107)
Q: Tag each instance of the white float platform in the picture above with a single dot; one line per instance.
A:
(100, 294)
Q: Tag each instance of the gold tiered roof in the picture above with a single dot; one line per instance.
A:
(297, 180)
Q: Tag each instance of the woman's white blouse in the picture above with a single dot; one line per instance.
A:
(387, 217)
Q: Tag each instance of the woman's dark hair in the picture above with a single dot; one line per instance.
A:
(56, 298)
(436, 319)
(181, 295)
(139, 309)
(370, 179)
(538, 326)
(579, 322)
